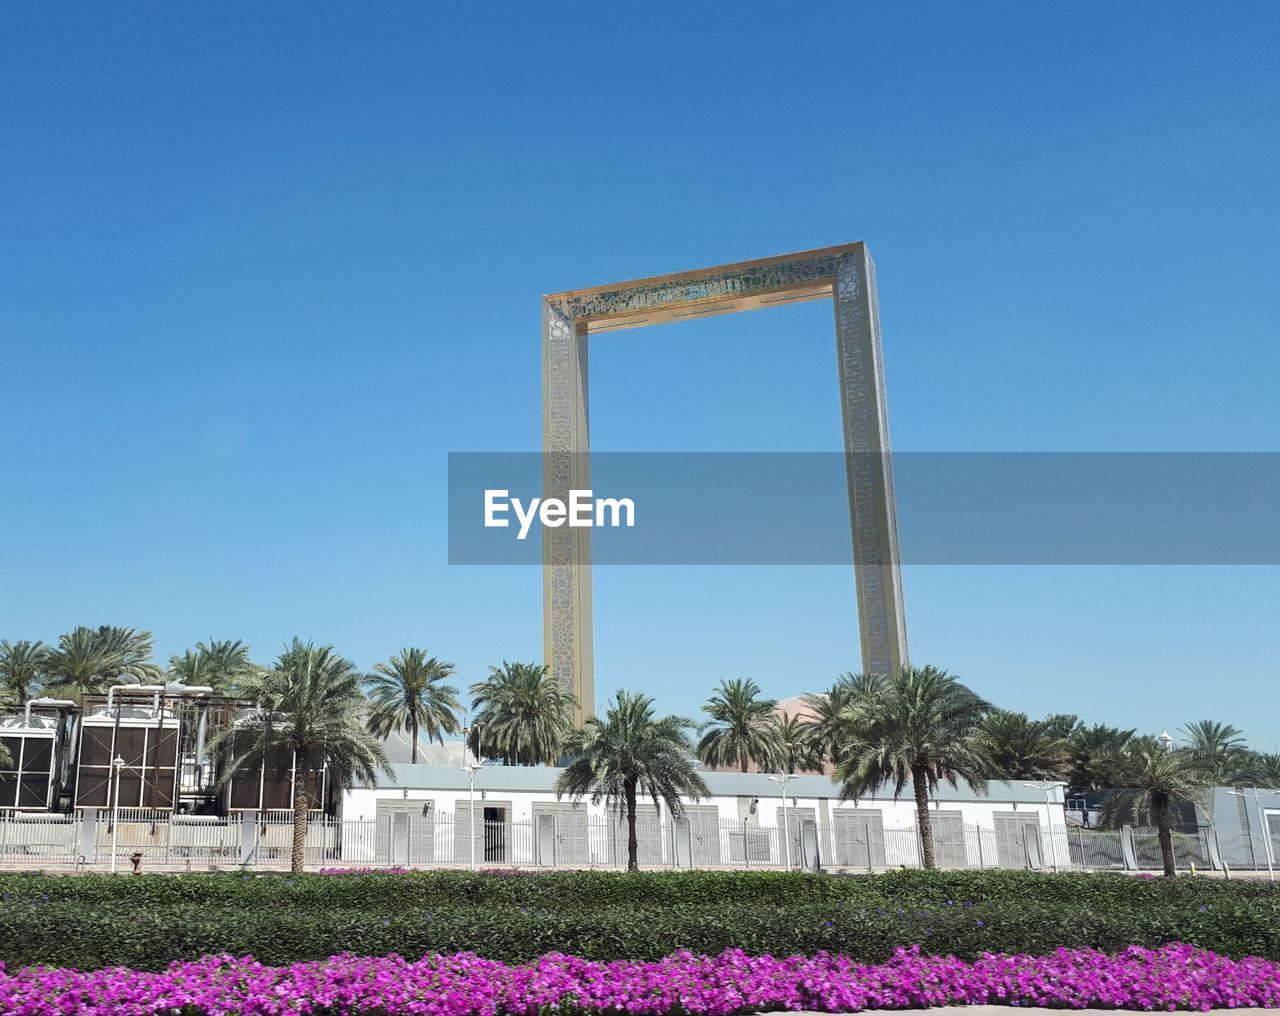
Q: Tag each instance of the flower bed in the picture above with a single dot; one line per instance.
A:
(399, 869)
(1172, 977)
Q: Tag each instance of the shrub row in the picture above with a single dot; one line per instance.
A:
(590, 889)
(90, 936)
(94, 921)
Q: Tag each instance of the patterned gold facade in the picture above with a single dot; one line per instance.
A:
(844, 274)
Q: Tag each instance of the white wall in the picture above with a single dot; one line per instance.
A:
(521, 789)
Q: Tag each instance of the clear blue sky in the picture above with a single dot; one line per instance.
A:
(262, 268)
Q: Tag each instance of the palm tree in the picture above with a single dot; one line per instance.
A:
(130, 650)
(87, 660)
(794, 738)
(1268, 767)
(78, 664)
(628, 754)
(1220, 751)
(923, 728)
(834, 711)
(219, 664)
(863, 687)
(741, 729)
(1091, 749)
(1062, 725)
(310, 708)
(1161, 776)
(522, 713)
(22, 667)
(408, 693)
(1022, 749)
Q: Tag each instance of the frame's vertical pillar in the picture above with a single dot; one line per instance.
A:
(876, 559)
(566, 552)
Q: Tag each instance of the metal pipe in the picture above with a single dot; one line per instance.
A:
(782, 779)
(178, 690)
(202, 730)
(155, 688)
(55, 763)
(115, 756)
(155, 708)
(43, 701)
(175, 689)
(786, 824)
(117, 764)
(472, 807)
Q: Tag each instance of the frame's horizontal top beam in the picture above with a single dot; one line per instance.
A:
(724, 289)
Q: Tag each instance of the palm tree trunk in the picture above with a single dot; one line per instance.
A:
(413, 754)
(920, 783)
(298, 858)
(1160, 809)
(633, 843)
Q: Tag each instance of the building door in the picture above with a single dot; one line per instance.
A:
(948, 839)
(810, 853)
(545, 837)
(684, 843)
(404, 832)
(565, 823)
(1017, 839)
(400, 840)
(488, 837)
(703, 824)
(859, 837)
(791, 825)
(495, 835)
(649, 852)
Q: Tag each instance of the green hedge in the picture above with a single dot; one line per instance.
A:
(591, 889)
(146, 922)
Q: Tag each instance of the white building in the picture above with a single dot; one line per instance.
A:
(423, 814)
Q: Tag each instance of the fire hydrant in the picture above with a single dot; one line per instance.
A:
(136, 858)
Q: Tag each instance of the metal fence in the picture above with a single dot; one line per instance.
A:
(168, 842)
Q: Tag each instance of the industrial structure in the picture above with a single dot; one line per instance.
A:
(144, 749)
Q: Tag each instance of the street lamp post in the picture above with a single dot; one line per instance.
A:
(1262, 820)
(782, 781)
(117, 764)
(471, 771)
(471, 768)
(1048, 788)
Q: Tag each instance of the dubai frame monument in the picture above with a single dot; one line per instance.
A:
(846, 274)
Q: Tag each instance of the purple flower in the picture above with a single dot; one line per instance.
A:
(1171, 977)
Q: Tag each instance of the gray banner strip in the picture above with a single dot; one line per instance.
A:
(1078, 508)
